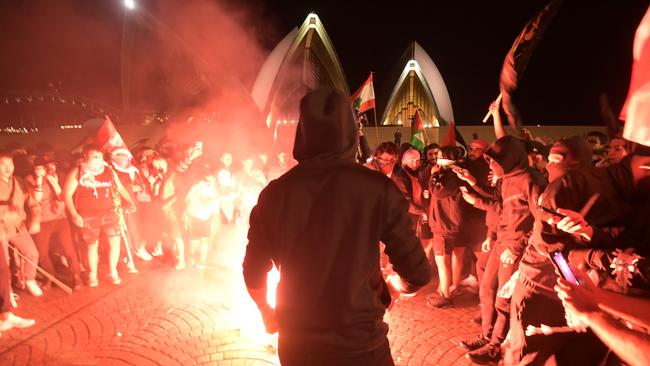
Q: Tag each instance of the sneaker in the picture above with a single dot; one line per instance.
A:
(455, 291)
(440, 302)
(180, 265)
(157, 252)
(115, 278)
(14, 321)
(130, 268)
(33, 288)
(469, 281)
(93, 281)
(474, 343)
(490, 353)
(143, 254)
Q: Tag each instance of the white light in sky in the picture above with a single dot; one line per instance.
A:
(130, 4)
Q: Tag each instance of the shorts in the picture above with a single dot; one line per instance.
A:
(443, 244)
(200, 228)
(95, 225)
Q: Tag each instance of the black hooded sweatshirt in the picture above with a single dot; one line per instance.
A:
(321, 224)
(519, 192)
(618, 205)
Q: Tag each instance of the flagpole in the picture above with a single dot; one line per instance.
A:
(374, 112)
(489, 113)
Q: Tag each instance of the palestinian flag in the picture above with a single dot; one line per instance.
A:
(453, 137)
(364, 98)
(418, 136)
(517, 59)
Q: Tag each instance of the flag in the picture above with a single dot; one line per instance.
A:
(519, 55)
(364, 98)
(107, 137)
(453, 137)
(636, 111)
(418, 135)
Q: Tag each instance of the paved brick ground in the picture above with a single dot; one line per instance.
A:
(164, 317)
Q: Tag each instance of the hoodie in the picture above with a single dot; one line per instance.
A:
(520, 189)
(321, 224)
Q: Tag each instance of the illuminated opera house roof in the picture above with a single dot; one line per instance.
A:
(304, 60)
(419, 87)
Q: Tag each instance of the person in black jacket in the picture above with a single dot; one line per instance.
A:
(519, 193)
(321, 224)
(445, 211)
(588, 240)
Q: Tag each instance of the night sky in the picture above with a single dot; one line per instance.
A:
(585, 52)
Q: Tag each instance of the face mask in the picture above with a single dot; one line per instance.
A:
(94, 166)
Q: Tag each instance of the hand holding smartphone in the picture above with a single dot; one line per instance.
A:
(562, 266)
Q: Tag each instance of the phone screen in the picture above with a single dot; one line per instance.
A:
(562, 265)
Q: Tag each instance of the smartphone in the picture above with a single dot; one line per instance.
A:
(562, 265)
(463, 189)
(552, 212)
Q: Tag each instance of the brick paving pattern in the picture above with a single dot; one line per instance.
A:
(164, 317)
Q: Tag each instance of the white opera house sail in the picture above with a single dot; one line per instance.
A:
(419, 87)
(304, 60)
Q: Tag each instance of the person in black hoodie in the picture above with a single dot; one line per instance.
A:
(611, 222)
(321, 224)
(508, 159)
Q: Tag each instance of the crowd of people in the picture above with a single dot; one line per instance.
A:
(488, 217)
(78, 219)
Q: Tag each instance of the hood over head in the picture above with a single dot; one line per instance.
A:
(509, 152)
(326, 128)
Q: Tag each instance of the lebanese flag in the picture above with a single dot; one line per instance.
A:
(107, 137)
(636, 111)
(364, 98)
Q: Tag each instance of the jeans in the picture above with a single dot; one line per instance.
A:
(25, 246)
(59, 229)
(495, 311)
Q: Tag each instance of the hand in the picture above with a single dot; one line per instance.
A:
(494, 107)
(572, 223)
(53, 179)
(39, 172)
(137, 188)
(487, 245)
(270, 321)
(579, 301)
(507, 257)
(78, 220)
(469, 198)
(464, 174)
(194, 152)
